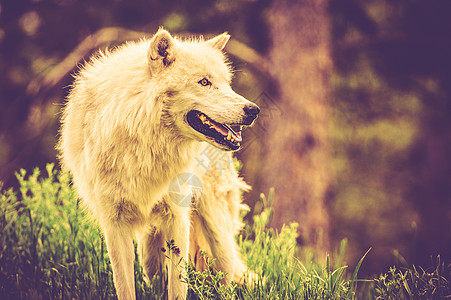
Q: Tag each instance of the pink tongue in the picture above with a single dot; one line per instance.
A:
(220, 129)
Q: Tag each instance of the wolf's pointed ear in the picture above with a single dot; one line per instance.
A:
(161, 51)
(219, 42)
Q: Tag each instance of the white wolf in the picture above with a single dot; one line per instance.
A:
(137, 119)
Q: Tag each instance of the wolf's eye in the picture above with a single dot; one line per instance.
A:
(204, 82)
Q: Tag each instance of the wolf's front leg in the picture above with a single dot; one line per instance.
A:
(177, 230)
(221, 240)
(119, 240)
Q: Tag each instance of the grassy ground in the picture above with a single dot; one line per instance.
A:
(49, 249)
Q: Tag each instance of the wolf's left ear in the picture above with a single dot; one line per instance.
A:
(219, 42)
(161, 51)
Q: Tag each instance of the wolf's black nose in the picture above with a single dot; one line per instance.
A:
(252, 110)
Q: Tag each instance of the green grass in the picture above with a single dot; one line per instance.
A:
(50, 249)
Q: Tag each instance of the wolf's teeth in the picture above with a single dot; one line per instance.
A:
(238, 136)
(229, 135)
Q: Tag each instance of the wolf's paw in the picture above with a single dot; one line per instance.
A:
(247, 277)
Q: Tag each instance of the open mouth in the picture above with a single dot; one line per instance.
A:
(223, 134)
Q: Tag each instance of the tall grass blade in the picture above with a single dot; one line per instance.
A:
(356, 271)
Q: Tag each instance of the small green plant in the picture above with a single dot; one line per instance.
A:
(413, 284)
(390, 285)
(206, 284)
(202, 284)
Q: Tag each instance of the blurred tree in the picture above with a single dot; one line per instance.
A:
(296, 159)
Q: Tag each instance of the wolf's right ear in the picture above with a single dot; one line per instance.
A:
(219, 42)
(161, 51)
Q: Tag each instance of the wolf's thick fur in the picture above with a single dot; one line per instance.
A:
(126, 135)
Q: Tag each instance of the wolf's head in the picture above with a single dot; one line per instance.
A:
(198, 99)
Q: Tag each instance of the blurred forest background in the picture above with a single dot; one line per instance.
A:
(355, 128)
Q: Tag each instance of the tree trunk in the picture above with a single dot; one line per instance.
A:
(294, 124)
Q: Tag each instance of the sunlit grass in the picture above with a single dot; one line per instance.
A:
(49, 249)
